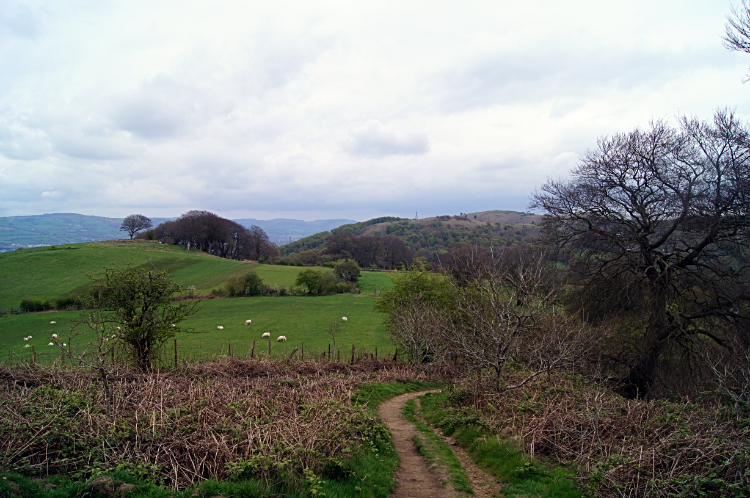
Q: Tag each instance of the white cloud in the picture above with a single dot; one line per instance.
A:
(331, 110)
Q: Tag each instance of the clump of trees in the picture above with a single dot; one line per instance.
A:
(487, 314)
(342, 279)
(656, 224)
(643, 271)
(247, 284)
(208, 232)
(387, 252)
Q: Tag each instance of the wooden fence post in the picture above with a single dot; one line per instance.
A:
(175, 353)
(269, 348)
(303, 351)
(252, 351)
(376, 353)
(230, 347)
(329, 352)
(352, 354)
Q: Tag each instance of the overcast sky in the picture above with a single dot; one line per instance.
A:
(312, 110)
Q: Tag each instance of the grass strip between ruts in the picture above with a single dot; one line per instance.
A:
(434, 449)
(502, 459)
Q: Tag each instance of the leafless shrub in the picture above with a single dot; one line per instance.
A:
(415, 330)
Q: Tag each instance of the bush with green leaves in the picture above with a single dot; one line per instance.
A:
(140, 301)
(347, 270)
(248, 284)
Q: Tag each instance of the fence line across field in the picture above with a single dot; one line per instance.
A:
(170, 356)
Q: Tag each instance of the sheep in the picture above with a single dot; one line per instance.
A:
(248, 322)
(266, 334)
(343, 318)
(282, 338)
(52, 322)
(220, 327)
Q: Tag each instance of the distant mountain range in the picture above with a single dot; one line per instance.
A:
(71, 228)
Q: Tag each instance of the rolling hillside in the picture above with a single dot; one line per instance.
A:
(71, 228)
(430, 235)
(50, 272)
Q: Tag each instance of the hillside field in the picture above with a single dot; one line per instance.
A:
(49, 272)
(52, 272)
(299, 318)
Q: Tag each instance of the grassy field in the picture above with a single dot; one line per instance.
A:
(50, 272)
(300, 319)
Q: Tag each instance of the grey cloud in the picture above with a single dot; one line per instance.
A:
(22, 144)
(374, 140)
(18, 19)
(523, 78)
(165, 108)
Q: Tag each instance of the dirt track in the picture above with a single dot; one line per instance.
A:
(415, 479)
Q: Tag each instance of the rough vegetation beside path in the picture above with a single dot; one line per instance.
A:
(238, 419)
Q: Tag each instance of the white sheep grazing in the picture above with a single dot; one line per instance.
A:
(266, 334)
(343, 318)
(248, 322)
(220, 327)
(282, 338)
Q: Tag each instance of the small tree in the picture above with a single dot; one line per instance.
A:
(135, 223)
(139, 300)
(333, 329)
(310, 279)
(347, 270)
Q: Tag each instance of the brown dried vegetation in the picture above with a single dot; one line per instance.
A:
(260, 419)
(622, 447)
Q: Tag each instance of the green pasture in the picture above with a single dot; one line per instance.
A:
(299, 318)
(47, 273)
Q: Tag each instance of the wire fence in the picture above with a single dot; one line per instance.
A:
(170, 355)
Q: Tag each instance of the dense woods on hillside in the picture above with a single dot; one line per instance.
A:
(429, 239)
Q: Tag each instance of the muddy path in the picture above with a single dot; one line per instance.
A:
(415, 478)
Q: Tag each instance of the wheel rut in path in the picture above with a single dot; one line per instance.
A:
(415, 479)
(413, 476)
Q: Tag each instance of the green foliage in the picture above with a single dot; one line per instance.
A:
(309, 279)
(416, 284)
(249, 284)
(33, 304)
(347, 270)
(140, 301)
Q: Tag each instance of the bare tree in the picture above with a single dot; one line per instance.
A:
(731, 370)
(135, 223)
(333, 330)
(498, 308)
(415, 329)
(663, 215)
(737, 30)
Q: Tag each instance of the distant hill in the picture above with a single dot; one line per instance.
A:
(428, 235)
(283, 230)
(71, 228)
